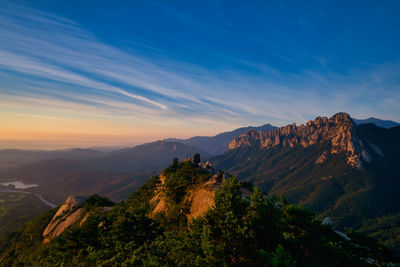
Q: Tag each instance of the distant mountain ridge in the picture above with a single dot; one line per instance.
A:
(57, 178)
(378, 122)
(16, 157)
(206, 145)
(215, 145)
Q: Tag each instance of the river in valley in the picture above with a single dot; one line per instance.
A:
(14, 186)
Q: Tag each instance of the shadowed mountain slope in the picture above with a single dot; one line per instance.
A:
(333, 166)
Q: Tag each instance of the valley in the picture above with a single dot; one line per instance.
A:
(45, 202)
(17, 208)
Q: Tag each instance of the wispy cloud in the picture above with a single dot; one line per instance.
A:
(60, 65)
(57, 49)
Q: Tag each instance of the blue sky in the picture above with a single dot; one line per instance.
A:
(117, 72)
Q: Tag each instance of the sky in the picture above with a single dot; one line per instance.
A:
(114, 73)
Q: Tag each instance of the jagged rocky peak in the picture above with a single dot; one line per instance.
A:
(339, 132)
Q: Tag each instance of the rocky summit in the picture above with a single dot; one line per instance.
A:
(339, 132)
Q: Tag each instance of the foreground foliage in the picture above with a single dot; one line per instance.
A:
(237, 231)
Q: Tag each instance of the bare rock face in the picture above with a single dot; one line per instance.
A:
(339, 132)
(69, 213)
(199, 199)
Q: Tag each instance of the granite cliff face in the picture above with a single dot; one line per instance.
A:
(69, 213)
(198, 199)
(339, 132)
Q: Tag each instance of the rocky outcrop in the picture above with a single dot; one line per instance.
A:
(339, 132)
(199, 199)
(69, 213)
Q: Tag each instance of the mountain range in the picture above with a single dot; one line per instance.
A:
(342, 168)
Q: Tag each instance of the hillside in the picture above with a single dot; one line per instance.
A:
(333, 166)
(237, 227)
